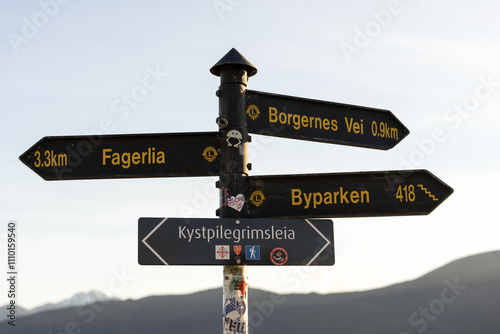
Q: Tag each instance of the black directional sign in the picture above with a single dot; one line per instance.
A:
(235, 241)
(363, 194)
(299, 118)
(124, 156)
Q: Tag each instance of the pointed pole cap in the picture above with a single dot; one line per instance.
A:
(233, 57)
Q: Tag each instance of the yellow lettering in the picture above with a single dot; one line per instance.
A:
(354, 196)
(47, 159)
(126, 160)
(51, 159)
(115, 159)
(317, 123)
(365, 196)
(150, 154)
(305, 121)
(63, 160)
(334, 124)
(160, 157)
(348, 124)
(273, 112)
(327, 199)
(38, 162)
(296, 199)
(343, 196)
(136, 158)
(356, 127)
(296, 122)
(315, 199)
(326, 124)
(318, 199)
(307, 199)
(282, 117)
(105, 156)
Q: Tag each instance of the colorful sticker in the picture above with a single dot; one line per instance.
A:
(234, 309)
(257, 198)
(237, 249)
(223, 197)
(239, 284)
(232, 326)
(234, 306)
(236, 202)
(221, 252)
(279, 256)
(227, 282)
(252, 252)
(253, 111)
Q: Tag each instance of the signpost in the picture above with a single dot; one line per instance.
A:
(364, 194)
(232, 241)
(124, 156)
(245, 234)
(330, 122)
(233, 70)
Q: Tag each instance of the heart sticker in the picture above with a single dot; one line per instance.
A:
(236, 202)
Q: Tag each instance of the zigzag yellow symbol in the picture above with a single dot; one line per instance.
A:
(428, 192)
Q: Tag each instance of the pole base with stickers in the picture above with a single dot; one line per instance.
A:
(235, 300)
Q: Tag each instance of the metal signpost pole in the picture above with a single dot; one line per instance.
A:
(233, 70)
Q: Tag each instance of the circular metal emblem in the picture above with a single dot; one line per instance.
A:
(253, 111)
(210, 154)
(257, 198)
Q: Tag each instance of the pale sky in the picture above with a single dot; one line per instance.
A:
(66, 65)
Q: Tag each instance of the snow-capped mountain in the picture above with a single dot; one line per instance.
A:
(80, 299)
